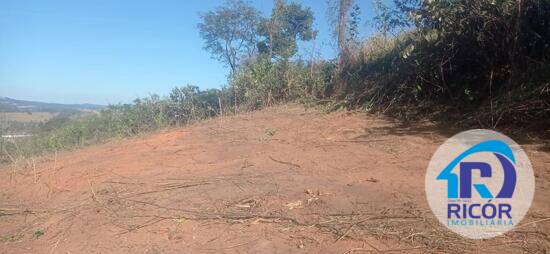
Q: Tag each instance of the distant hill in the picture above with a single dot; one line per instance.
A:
(13, 105)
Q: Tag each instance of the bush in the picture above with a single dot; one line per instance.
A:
(484, 61)
(189, 103)
(185, 104)
(262, 83)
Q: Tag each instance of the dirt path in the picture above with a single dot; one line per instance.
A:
(282, 180)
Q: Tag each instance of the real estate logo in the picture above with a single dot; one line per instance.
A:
(480, 183)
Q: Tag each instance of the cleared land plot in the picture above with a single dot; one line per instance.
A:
(281, 180)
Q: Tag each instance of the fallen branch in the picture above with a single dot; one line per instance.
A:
(385, 251)
(285, 162)
(349, 229)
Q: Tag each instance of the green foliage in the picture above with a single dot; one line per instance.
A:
(263, 83)
(37, 234)
(189, 103)
(484, 61)
(236, 33)
(12, 238)
(393, 20)
(185, 104)
(287, 24)
(230, 32)
(268, 76)
(353, 27)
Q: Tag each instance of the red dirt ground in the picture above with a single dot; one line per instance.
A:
(281, 180)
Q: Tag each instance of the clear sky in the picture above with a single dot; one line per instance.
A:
(111, 51)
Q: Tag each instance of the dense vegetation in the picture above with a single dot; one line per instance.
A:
(483, 63)
(185, 104)
(486, 63)
(477, 63)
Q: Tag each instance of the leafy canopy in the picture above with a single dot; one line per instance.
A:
(230, 32)
(287, 24)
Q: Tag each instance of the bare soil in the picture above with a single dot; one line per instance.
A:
(280, 180)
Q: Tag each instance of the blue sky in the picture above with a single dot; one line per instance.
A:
(111, 51)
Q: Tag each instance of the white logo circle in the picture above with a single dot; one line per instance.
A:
(480, 184)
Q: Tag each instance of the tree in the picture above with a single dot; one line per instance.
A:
(230, 32)
(353, 29)
(338, 16)
(287, 24)
(394, 20)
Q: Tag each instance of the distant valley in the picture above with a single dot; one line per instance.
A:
(18, 118)
(14, 105)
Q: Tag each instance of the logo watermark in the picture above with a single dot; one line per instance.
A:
(480, 184)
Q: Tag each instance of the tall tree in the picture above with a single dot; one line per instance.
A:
(287, 24)
(344, 31)
(230, 32)
(353, 29)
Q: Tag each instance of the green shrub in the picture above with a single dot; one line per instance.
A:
(262, 83)
(486, 61)
(184, 104)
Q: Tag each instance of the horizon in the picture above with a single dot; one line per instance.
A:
(105, 52)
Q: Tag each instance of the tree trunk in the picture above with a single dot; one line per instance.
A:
(343, 51)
